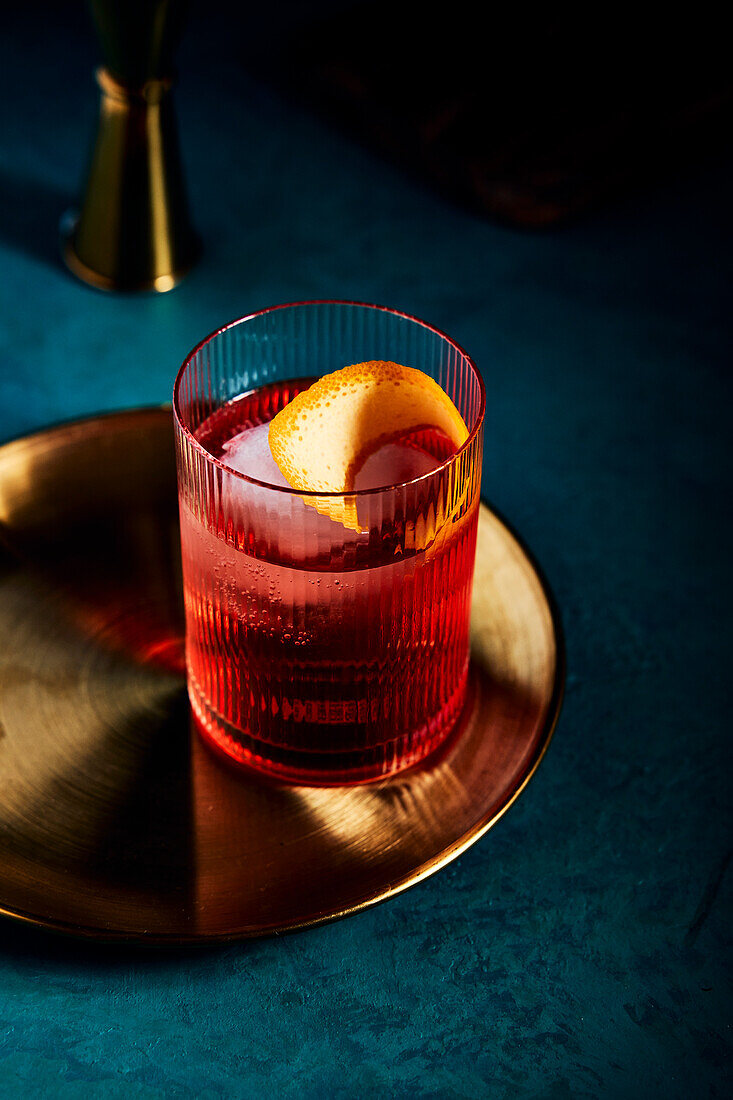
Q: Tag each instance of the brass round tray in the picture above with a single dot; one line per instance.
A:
(115, 821)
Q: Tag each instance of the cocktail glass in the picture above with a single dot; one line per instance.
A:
(320, 653)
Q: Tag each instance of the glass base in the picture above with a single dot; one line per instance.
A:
(327, 769)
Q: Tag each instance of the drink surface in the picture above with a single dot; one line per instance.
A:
(316, 652)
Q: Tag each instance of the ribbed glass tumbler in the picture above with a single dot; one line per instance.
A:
(316, 652)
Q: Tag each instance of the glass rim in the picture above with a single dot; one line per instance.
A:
(331, 493)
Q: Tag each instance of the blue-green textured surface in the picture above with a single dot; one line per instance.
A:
(582, 948)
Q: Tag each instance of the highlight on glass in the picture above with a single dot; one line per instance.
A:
(327, 632)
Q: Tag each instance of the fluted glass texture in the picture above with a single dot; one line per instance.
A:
(317, 653)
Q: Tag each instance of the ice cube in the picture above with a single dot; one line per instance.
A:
(267, 515)
(391, 464)
(249, 453)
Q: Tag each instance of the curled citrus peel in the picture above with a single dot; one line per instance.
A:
(322, 438)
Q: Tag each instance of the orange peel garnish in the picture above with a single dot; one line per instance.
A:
(322, 438)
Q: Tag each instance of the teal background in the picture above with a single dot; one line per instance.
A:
(581, 948)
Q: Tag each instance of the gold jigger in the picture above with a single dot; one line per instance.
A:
(133, 231)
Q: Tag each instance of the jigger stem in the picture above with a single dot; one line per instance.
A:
(133, 231)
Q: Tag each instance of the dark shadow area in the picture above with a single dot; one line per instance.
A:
(30, 216)
(28, 944)
(148, 844)
(530, 121)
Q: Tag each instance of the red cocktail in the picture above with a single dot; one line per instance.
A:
(321, 652)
